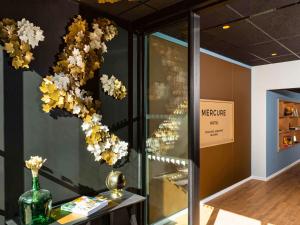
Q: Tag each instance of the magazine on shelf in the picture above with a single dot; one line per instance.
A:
(85, 205)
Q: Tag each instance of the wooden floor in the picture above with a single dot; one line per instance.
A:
(275, 202)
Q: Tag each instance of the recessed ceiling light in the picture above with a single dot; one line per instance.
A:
(274, 54)
(225, 27)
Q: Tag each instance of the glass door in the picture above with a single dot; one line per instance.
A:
(166, 92)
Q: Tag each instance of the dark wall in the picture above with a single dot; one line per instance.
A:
(224, 165)
(70, 169)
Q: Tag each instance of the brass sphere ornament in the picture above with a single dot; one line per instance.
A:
(115, 182)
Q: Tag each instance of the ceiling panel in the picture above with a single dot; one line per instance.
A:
(276, 59)
(160, 4)
(178, 30)
(222, 47)
(267, 49)
(257, 62)
(292, 43)
(282, 23)
(131, 10)
(244, 39)
(283, 58)
(137, 12)
(216, 16)
(241, 34)
(113, 9)
(251, 7)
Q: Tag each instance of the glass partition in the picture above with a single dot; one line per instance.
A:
(167, 124)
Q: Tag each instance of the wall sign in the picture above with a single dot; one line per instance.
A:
(216, 122)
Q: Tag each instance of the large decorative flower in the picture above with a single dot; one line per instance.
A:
(19, 38)
(76, 59)
(61, 81)
(29, 33)
(100, 142)
(78, 62)
(113, 87)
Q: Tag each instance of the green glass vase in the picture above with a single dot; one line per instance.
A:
(35, 205)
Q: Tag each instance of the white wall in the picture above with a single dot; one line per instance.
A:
(267, 77)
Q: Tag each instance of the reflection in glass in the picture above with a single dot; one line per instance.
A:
(167, 127)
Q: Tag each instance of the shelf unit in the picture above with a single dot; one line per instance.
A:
(288, 124)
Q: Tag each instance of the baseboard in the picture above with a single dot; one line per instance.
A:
(259, 178)
(276, 173)
(282, 170)
(211, 197)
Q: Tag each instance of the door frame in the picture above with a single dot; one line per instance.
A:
(193, 110)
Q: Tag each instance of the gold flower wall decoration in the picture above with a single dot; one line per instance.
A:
(81, 57)
(19, 38)
(113, 87)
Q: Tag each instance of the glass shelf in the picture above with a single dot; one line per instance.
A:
(168, 159)
(287, 131)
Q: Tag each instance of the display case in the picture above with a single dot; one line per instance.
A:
(288, 124)
(167, 127)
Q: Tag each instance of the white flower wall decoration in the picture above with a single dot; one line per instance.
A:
(19, 39)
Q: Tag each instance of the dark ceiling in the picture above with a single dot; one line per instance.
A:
(258, 28)
(131, 10)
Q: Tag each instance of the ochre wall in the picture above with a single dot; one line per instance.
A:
(224, 165)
